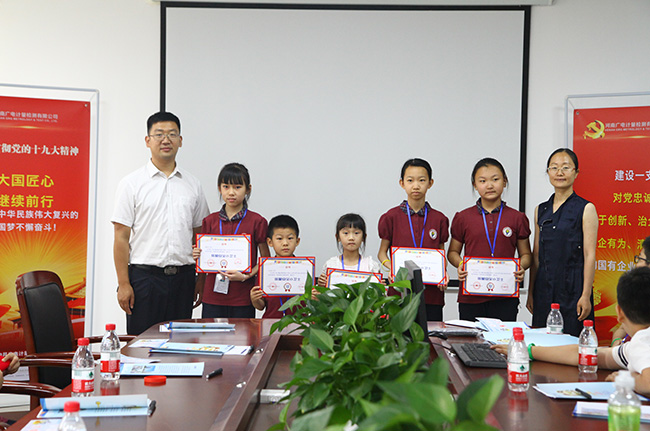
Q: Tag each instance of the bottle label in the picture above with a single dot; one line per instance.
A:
(554, 330)
(518, 372)
(83, 380)
(588, 356)
(110, 362)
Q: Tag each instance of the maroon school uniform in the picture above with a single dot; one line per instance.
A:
(394, 227)
(238, 291)
(273, 303)
(468, 228)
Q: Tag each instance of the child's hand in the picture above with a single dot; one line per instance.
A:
(462, 274)
(234, 275)
(257, 298)
(500, 348)
(443, 286)
(196, 253)
(519, 275)
(322, 280)
(14, 363)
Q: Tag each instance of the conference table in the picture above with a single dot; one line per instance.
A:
(229, 402)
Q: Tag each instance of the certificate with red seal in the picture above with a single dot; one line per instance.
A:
(430, 260)
(491, 277)
(347, 276)
(285, 276)
(224, 253)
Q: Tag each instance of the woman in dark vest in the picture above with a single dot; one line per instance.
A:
(564, 254)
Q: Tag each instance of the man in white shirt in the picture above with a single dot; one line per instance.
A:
(159, 209)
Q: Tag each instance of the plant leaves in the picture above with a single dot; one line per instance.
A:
(321, 339)
(432, 403)
(351, 314)
(313, 421)
(311, 367)
(472, 426)
(387, 418)
(438, 373)
(406, 316)
(478, 398)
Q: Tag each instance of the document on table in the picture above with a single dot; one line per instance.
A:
(531, 336)
(197, 327)
(585, 409)
(110, 405)
(149, 342)
(192, 348)
(166, 369)
(567, 391)
(42, 425)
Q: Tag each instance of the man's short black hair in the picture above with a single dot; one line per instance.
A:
(159, 117)
(282, 221)
(633, 295)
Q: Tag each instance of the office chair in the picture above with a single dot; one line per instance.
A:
(47, 327)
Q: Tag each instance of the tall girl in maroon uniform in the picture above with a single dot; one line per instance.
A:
(414, 223)
(489, 229)
(227, 294)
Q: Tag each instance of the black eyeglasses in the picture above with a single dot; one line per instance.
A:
(637, 258)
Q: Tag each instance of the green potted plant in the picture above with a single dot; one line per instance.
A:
(364, 360)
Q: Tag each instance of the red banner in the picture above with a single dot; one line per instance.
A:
(44, 177)
(613, 147)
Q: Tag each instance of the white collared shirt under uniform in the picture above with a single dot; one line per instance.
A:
(635, 354)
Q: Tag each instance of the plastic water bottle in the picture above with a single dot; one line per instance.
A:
(110, 354)
(554, 321)
(518, 364)
(512, 339)
(83, 370)
(71, 420)
(624, 407)
(588, 349)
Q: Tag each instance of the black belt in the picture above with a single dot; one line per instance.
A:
(168, 270)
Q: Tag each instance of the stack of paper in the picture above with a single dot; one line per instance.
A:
(110, 405)
(568, 391)
(197, 327)
(173, 369)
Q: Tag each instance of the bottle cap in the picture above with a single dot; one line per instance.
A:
(624, 379)
(555, 306)
(588, 323)
(110, 326)
(517, 329)
(519, 336)
(155, 380)
(83, 342)
(71, 406)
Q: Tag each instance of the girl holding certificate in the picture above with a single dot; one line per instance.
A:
(564, 264)
(413, 223)
(227, 293)
(350, 238)
(489, 229)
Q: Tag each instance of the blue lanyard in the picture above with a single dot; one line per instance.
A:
(358, 264)
(496, 231)
(281, 304)
(408, 214)
(237, 228)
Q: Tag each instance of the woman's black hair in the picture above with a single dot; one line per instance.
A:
(421, 163)
(572, 155)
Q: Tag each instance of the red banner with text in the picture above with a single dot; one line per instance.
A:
(44, 177)
(613, 147)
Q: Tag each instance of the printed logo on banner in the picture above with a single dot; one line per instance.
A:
(595, 130)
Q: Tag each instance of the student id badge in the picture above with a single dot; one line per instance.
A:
(221, 283)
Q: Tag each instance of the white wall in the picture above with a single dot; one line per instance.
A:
(577, 47)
